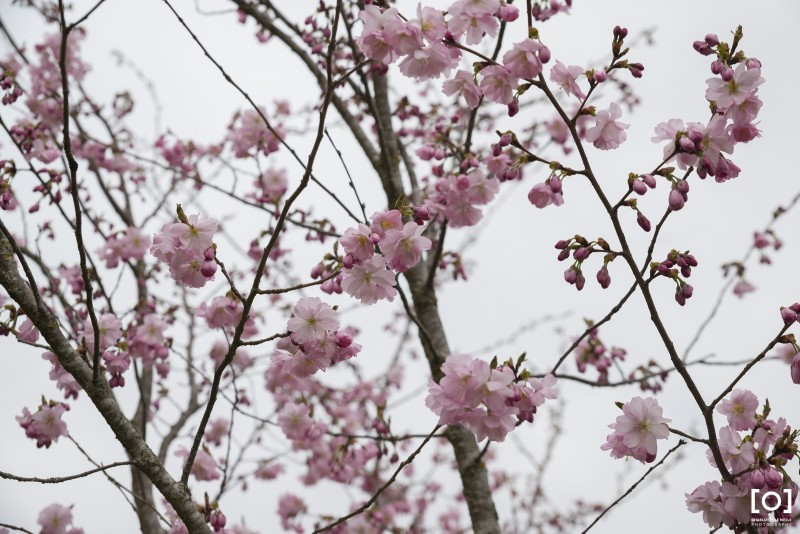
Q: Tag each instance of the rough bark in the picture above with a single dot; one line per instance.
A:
(99, 393)
(474, 476)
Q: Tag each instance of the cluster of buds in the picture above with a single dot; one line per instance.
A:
(8, 84)
(727, 55)
(677, 266)
(636, 69)
(580, 249)
(592, 352)
(213, 514)
(650, 376)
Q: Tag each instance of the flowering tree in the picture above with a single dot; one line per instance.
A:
(158, 318)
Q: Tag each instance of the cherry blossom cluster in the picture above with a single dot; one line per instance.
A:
(488, 399)
(315, 341)
(759, 464)
(637, 430)
(733, 94)
(187, 248)
(369, 275)
(129, 244)
(592, 352)
(45, 425)
(57, 519)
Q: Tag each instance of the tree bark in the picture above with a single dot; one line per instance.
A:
(99, 393)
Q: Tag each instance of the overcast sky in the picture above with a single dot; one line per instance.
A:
(514, 276)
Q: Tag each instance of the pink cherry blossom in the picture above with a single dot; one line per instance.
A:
(370, 281)
(57, 519)
(740, 409)
(735, 91)
(204, 467)
(566, 78)
(403, 248)
(61, 377)
(358, 242)
(637, 431)
(311, 319)
(28, 332)
(430, 61)
(45, 425)
(498, 84)
(463, 84)
(706, 499)
(607, 133)
(474, 18)
(109, 328)
(523, 59)
(386, 220)
(221, 312)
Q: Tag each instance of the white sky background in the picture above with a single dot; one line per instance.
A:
(514, 276)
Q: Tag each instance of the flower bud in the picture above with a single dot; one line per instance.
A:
(348, 261)
(582, 253)
(544, 54)
(711, 39)
(580, 282)
(317, 271)
(603, 278)
(650, 180)
(727, 74)
(555, 184)
(570, 275)
(600, 76)
(643, 221)
(561, 244)
(676, 200)
(788, 315)
(687, 291)
(639, 187)
(209, 254)
(753, 63)
(757, 479)
(343, 339)
(513, 107)
(686, 144)
(702, 48)
(773, 478)
(508, 13)
(717, 67)
(208, 268)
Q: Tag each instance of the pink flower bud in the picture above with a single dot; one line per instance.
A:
(643, 221)
(505, 140)
(687, 291)
(582, 253)
(209, 254)
(563, 255)
(508, 13)
(702, 48)
(343, 339)
(561, 244)
(421, 213)
(650, 180)
(753, 63)
(795, 307)
(795, 369)
(348, 261)
(686, 144)
(717, 67)
(208, 268)
(580, 282)
(676, 201)
(513, 107)
(570, 276)
(603, 278)
(757, 479)
(639, 187)
(773, 478)
(317, 271)
(727, 74)
(711, 39)
(600, 76)
(544, 54)
(555, 184)
(788, 315)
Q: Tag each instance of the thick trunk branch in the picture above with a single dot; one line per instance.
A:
(99, 393)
